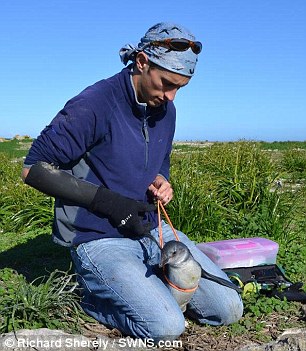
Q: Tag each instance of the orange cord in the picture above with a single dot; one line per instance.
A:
(176, 287)
(161, 243)
(160, 231)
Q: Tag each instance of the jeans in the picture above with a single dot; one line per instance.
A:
(123, 288)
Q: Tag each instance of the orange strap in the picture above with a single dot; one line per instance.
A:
(176, 287)
(160, 231)
(161, 242)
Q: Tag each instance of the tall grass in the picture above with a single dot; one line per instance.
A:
(20, 205)
(294, 161)
(226, 191)
(44, 303)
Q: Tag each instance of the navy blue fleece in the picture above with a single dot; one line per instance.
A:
(104, 136)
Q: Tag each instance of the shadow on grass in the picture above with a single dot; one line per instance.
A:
(37, 257)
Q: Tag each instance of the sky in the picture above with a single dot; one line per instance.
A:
(250, 80)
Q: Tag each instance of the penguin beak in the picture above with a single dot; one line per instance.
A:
(164, 260)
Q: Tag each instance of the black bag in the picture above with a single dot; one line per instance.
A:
(269, 279)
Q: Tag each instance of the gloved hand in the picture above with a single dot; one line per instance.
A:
(121, 211)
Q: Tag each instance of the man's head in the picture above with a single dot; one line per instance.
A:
(165, 60)
(168, 45)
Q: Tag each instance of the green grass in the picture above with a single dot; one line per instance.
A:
(32, 253)
(52, 302)
(222, 190)
(15, 148)
(283, 145)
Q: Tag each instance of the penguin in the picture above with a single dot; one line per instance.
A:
(182, 272)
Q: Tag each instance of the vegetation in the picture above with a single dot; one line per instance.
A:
(52, 302)
(222, 190)
(235, 190)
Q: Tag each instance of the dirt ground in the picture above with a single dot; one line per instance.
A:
(195, 338)
(203, 338)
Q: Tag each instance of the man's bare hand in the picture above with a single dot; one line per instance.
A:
(161, 189)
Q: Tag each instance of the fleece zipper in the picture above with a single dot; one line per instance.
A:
(147, 139)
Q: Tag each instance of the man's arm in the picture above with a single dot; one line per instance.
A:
(24, 173)
(121, 211)
(60, 184)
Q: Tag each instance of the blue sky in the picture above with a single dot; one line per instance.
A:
(250, 81)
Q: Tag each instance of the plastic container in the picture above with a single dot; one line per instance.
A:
(245, 252)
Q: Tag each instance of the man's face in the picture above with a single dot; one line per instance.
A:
(156, 85)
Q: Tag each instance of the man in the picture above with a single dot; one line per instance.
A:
(105, 158)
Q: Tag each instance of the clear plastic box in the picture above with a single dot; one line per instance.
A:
(246, 252)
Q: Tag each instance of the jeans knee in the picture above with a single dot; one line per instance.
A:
(222, 310)
(169, 327)
(232, 310)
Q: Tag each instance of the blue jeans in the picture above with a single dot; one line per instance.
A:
(123, 288)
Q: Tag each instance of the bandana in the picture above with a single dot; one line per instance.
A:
(181, 62)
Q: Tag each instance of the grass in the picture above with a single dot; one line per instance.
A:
(50, 302)
(222, 190)
(283, 145)
(32, 253)
(15, 148)
(229, 190)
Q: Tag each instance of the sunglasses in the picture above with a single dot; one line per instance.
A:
(179, 44)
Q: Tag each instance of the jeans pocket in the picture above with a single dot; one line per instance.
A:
(152, 251)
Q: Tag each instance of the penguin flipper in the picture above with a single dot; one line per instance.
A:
(219, 280)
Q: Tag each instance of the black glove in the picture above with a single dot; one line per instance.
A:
(122, 212)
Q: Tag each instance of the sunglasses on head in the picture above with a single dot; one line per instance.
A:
(180, 44)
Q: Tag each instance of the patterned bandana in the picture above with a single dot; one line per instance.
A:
(181, 62)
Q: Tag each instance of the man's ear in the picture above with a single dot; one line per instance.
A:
(142, 61)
